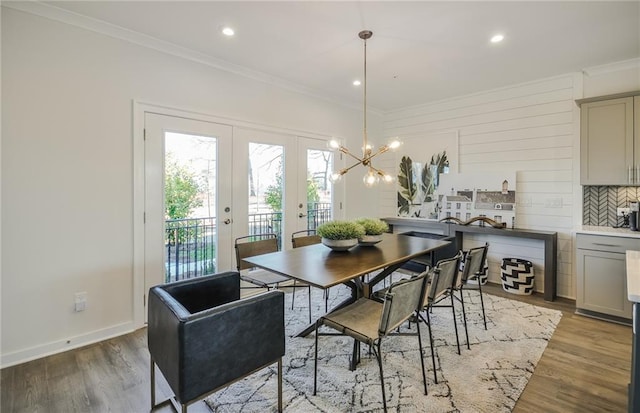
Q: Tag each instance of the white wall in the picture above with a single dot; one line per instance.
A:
(67, 169)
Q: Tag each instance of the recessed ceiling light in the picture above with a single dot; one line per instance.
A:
(497, 38)
(228, 31)
(356, 83)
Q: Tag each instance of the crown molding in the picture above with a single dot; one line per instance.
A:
(52, 12)
(612, 67)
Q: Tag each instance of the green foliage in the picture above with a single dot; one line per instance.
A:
(339, 230)
(403, 204)
(273, 194)
(405, 179)
(431, 174)
(312, 191)
(373, 226)
(181, 191)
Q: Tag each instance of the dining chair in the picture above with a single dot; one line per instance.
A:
(472, 270)
(442, 278)
(202, 336)
(369, 321)
(252, 245)
(304, 238)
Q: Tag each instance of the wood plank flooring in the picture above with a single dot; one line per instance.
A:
(585, 368)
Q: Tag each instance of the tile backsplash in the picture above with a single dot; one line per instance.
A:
(600, 203)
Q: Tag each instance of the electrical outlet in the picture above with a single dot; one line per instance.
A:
(80, 301)
(623, 211)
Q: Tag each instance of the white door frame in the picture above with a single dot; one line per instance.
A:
(156, 126)
(139, 109)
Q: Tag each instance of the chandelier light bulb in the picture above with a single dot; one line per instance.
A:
(387, 179)
(335, 177)
(333, 144)
(370, 178)
(395, 144)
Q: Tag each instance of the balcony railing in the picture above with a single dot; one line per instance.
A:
(190, 248)
(190, 243)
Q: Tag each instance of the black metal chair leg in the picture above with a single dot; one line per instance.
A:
(433, 355)
(379, 357)
(153, 384)
(293, 296)
(484, 317)
(280, 385)
(309, 289)
(424, 374)
(464, 317)
(455, 323)
(315, 363)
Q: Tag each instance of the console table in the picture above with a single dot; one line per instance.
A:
(550, 239)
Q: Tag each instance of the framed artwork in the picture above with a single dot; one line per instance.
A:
(484, 194)
(420, 163)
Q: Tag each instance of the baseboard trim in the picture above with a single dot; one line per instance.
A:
(604, 317)
(59, 346)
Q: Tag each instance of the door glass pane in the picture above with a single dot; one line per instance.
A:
(190, 206)
(266, 189)
(319, 188)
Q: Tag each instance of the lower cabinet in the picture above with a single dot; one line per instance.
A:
(601, 274)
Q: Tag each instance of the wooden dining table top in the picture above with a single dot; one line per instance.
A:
(322, 267)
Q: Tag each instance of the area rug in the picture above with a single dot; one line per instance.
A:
(487, 378)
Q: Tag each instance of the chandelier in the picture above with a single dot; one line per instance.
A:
(373, 174)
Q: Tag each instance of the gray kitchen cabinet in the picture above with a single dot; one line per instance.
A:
(601, 275)
(610, 142)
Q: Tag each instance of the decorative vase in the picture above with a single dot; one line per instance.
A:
(368, 240)
(340, 244)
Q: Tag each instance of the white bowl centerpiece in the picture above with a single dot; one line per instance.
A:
(340, 235)
(373, 228)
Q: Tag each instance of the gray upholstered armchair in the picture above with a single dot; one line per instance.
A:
(203, 337)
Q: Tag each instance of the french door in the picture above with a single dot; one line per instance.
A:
(281, 183)
(316, 201)
(188, 198)
(207, 183)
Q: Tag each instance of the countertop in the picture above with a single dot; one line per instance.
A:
(633, 276)
(609, 231)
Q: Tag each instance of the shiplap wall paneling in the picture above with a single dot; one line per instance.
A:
(527, 129)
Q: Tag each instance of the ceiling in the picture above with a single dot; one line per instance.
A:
(420, 51)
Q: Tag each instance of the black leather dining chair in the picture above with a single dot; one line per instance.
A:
(202, 336)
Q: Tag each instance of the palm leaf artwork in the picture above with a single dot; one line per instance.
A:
(403, 205)
(427, 183)
(431, 173)
(406, 182)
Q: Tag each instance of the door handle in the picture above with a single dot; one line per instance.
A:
(630, 174)
(227, 221)
(301, 215)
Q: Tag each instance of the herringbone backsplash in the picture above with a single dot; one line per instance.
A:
(600, 203)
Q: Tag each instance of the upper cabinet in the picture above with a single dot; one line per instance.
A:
(610, 141)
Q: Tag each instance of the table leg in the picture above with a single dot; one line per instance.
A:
(354, 296)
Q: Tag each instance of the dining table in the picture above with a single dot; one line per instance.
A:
(322, 267)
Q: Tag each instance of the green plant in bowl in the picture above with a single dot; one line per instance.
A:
(340, 235)
(339, 230)
(373, 226)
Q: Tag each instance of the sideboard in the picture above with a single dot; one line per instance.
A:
(550, 239)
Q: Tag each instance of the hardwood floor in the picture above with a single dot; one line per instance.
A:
(585, 368)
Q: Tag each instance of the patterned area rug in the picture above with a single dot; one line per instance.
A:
(488, 378)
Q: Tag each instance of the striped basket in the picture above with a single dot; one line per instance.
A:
(517, 276)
